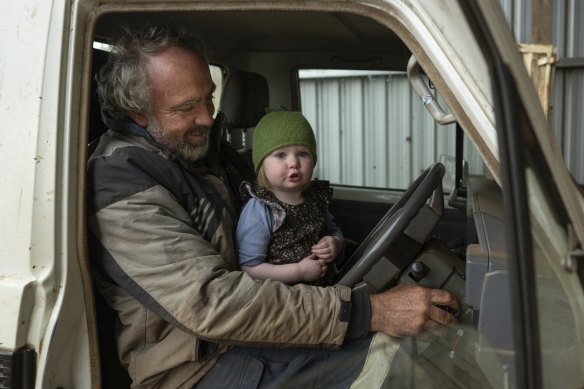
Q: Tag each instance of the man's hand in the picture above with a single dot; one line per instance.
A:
(327, 248)
(409, 309)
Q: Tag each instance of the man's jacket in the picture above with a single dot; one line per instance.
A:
(161, 245)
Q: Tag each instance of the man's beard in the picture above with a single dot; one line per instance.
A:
(180, 143)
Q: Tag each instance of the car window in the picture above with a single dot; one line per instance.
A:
(372, 129)
(560, 298)
(218, 76)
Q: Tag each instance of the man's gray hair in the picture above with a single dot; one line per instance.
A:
(122, 83)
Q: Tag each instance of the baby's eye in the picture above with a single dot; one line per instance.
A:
(304, 154)
(280, 155)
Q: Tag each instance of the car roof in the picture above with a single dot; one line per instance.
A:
(229, 31)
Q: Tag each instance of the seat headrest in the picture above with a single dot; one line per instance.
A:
(244, 99)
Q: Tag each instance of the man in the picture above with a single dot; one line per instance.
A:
(161, 226)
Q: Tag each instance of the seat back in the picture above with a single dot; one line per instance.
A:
(243, 103)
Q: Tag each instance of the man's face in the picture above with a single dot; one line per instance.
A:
(181, 95)
(190, 145)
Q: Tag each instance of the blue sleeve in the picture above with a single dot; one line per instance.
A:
(331, 228)
(253, 233)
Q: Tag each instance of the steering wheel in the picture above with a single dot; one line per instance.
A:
(403, 230)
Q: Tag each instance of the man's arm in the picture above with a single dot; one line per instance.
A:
(307, 270)
(409, 309)
(150, 248)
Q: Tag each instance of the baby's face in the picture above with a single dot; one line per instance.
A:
(289, 168)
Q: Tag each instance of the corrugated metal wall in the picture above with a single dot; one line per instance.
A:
(344, 110)
(373, 130)
(568, 94)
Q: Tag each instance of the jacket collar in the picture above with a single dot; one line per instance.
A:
(126, 125)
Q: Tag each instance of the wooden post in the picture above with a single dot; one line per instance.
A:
(540, 22)
(539, 60)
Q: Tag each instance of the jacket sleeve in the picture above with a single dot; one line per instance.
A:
(151, 250)
(253, 233)
(330, 226)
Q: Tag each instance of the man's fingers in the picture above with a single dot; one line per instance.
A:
(444, 298)
(441, 316)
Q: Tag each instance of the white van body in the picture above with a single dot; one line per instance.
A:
(46, 293)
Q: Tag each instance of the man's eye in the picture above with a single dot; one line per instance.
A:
(185, 108)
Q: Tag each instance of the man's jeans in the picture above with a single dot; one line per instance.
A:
(362, 363)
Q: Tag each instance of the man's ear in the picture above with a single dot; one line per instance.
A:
(142, 120)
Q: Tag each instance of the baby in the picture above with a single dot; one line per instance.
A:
(286, 231)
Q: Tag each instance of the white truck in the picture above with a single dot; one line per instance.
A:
(514, 214)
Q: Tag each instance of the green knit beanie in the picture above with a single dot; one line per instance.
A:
(281, 129)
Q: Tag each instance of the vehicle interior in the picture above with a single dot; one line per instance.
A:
(439, 223)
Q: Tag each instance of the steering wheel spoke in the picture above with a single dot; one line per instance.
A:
(393, 243)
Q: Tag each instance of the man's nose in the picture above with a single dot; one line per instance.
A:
(204, 116)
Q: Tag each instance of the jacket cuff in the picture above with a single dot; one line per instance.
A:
(360, 316)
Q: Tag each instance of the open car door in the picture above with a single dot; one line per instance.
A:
(529, 329)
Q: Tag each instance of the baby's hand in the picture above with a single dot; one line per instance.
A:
(311, 268)
(327, 248)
